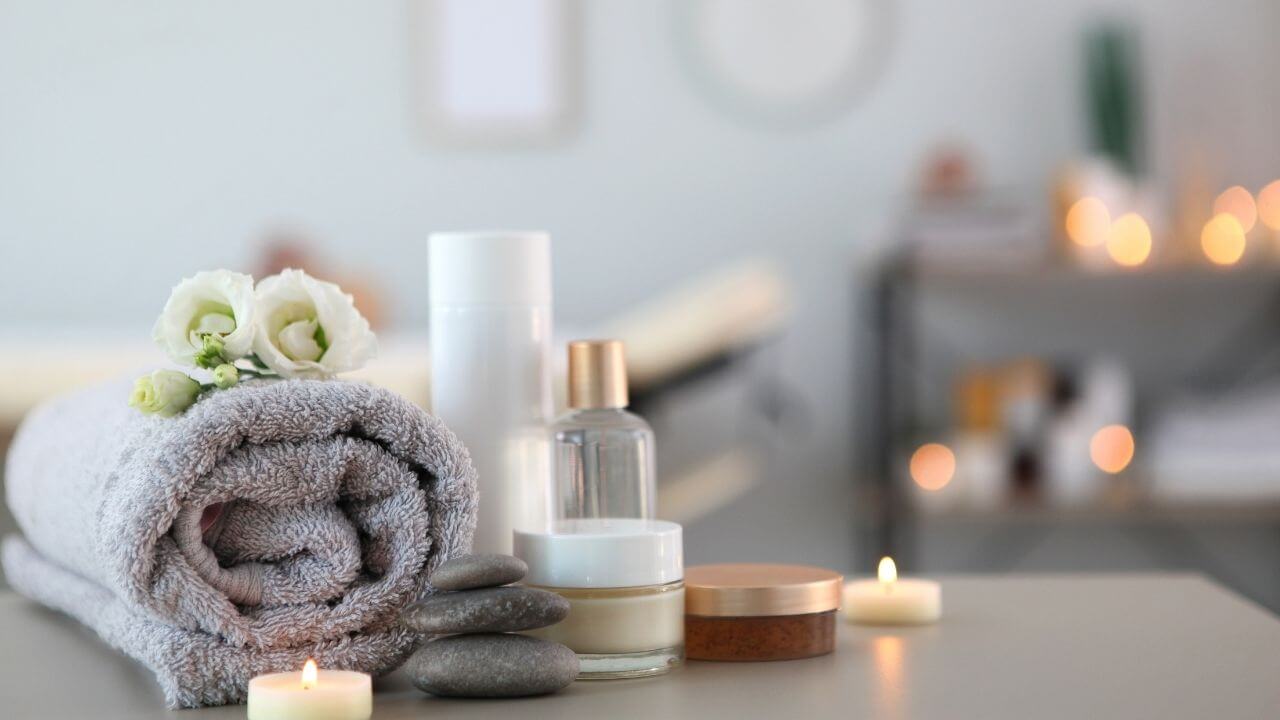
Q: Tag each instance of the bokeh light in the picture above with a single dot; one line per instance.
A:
(1239, 202)
(932, 466)
(1111, 448)
(887, 656)
(1129, 240)
(1269, 205)
(1088, 221)
(1223, 239)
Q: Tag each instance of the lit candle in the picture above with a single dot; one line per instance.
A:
(311, 695)
(889, 600)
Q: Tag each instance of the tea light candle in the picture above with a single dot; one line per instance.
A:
(889, 600)
(311, 695)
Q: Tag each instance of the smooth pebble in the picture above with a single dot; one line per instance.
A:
(490, 610)
(492, 666)
(469, 572)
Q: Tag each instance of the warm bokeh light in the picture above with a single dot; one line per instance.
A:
(887, 655)
(1223, 239)
(309, 674)
(1239, 202)
(887, 571)
(932, 466)
(1088, 221)
(1269, 205)
(1111, 448)
(1129, 240)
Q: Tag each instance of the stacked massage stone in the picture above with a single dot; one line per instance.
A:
(475, 653)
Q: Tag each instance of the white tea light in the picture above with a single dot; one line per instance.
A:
(889, 600)
(311, 694)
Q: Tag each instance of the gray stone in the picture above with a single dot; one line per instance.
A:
(500, 609)
(469, 572)
(492, 666)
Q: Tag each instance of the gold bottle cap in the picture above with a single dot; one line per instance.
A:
(753, 590)
(597, 374)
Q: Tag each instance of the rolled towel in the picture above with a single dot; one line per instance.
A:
(269, 523)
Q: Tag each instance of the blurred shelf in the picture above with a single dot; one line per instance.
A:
(929, 316)
(1264, 511)
(1061, 273)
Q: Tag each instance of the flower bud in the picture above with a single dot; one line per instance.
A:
(225, 376)
(164, 392)
(210, 355)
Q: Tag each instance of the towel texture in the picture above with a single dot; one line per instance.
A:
(269, 523)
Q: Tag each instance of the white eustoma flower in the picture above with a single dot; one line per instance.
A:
(310, 328)
(217, 302)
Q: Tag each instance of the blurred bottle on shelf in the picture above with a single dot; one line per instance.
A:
(1103, 397)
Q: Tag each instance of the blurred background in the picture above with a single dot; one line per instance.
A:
(988, 286)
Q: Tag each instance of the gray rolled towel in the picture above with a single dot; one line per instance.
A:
(272, 522)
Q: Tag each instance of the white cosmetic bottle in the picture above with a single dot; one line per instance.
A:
(490, 296)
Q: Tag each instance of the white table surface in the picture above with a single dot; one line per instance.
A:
(1025, 647)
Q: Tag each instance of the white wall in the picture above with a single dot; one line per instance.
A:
(140, 141)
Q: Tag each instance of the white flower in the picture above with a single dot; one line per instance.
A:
(310, 328)
(218, 302)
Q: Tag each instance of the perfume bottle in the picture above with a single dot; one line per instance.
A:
(604, 461)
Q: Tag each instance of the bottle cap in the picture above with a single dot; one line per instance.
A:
(499, 267)
(597, 374)
(602, 553)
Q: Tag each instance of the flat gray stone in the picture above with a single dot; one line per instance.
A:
(492, 666)
(495, 610)
(469, 572)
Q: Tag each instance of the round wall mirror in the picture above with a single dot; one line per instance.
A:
(785, 61)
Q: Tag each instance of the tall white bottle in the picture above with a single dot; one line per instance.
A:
(491, 369)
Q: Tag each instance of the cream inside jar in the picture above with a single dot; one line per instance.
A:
(623, 579)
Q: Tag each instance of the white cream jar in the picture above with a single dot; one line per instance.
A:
(624, 580)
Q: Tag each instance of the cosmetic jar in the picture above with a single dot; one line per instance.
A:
(623, 578)
(750, 612)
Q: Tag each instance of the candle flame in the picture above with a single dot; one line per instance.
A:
(309, 674)
(887, 572)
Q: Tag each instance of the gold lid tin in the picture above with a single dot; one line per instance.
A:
(755, 590)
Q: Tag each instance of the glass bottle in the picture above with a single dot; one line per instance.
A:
(604, 459)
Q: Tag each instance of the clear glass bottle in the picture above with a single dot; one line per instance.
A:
(604, 456)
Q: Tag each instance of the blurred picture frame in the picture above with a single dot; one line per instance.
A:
(496, 72)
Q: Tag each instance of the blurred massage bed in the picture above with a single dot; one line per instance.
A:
(697, 330)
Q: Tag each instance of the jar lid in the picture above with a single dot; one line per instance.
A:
(602, 553)
(751, 589)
